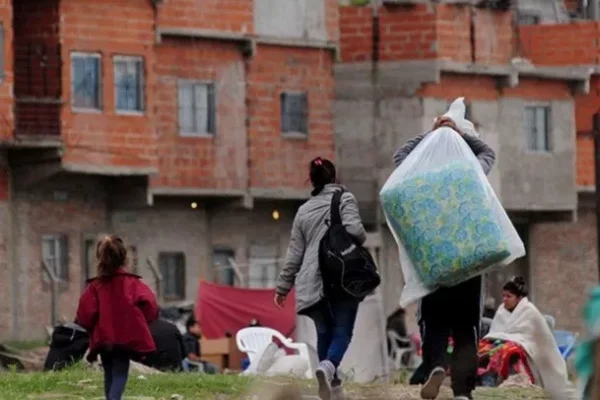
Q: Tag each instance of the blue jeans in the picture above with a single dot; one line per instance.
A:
(116, 372)
(334, 322)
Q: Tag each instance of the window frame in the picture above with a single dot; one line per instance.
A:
(221, 273)
(183, 283)
(142, 84)
(549, 145)
(212, 88)
(61, 243)
(82, 109)
(294, 134)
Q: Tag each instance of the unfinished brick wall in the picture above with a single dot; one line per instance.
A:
(37, 67)
(560, 44)
(217, 161)
(494, 36)
(563, 45)
(6, 85)
(69, 206)
(356, 34)
(427, 32)
(332, 19)
(230, 15)
(408, 33)
(111, 28)
(585, 108)
(565, 254)
(276, 161)
(572, 5)
(5, 231)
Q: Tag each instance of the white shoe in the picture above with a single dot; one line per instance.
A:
(431, 388)
(461, 398)
(324, 374)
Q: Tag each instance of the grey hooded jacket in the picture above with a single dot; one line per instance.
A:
(302, 261)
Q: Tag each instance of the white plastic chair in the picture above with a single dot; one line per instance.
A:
(397, 352)
(254, 340)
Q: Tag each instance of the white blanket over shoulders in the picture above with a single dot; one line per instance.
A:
(527, 327)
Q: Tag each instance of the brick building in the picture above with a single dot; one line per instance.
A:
(187, 129)
(401, 66)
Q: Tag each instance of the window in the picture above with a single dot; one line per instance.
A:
(129, 83)
(197, 111)
(222, 259)
(172, 269)
(294, 113)
(537, 128)
(89, 268)
(85, 81)
(263, 267)
(55, 255)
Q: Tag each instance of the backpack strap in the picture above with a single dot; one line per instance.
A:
(336, 200)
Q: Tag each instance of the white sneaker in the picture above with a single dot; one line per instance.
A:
(431, 388)
(324, 374)
(461, 398)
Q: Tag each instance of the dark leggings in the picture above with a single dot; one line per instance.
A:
(116, 372)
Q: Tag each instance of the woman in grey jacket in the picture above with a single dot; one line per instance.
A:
(333, 317)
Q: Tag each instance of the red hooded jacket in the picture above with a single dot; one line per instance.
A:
(116, 311)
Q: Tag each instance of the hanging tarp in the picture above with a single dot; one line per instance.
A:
(226, 309)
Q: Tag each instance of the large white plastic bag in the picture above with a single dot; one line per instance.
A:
(444, 152)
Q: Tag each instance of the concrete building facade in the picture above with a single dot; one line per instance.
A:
(187, 130)
(401, 66)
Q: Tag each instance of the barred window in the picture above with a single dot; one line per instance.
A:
(537, 128)
(294, 113)
(55, 255)
(85, 81)
(172, 269)
(197, 110)
(129, 83)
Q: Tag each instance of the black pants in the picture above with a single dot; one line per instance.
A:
(452, 311)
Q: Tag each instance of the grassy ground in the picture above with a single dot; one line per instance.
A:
(84, 383)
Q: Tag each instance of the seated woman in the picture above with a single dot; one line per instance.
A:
(520, 341)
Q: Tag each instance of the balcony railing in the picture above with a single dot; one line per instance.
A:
(38, 95)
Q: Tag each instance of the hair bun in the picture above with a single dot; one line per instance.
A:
(519, 280)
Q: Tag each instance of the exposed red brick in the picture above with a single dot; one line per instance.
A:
(539, 89)
(572, 5)
(565, 260)
(356, 33)
(494, 36)
(332, 19)
(561, 44)
(111, 28)
(222, 15)
(276, 161)
(204, 162)
(452, 86)
(408, 33)
(426, 32)
(6, 85)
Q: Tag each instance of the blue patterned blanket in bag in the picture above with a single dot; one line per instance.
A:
(445, 221)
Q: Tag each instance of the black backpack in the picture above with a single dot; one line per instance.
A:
(347, 268)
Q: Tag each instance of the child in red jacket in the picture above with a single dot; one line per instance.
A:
(115, 309)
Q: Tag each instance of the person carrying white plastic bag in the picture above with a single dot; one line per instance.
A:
(438, 203)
